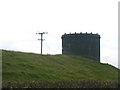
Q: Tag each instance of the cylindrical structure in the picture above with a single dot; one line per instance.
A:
(83, 44)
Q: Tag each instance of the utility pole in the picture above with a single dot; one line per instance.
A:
(41, 38)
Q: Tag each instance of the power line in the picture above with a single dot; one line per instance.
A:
(41, 38)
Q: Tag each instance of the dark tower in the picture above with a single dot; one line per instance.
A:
(83, 44)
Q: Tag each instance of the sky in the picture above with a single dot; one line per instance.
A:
(20, 20)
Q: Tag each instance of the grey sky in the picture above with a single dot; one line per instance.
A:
(21, 19)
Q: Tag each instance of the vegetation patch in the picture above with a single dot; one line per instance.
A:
(34, 70)
(61, 84)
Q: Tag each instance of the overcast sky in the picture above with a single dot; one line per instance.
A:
(20, 20)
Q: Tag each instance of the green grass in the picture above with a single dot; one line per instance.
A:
(19, 66)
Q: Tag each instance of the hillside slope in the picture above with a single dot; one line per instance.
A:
(19, 66)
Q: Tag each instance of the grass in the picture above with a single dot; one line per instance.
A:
(25, 67)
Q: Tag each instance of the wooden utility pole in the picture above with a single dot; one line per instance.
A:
(42, 38)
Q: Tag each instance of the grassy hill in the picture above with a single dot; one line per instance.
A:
(19, 66)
